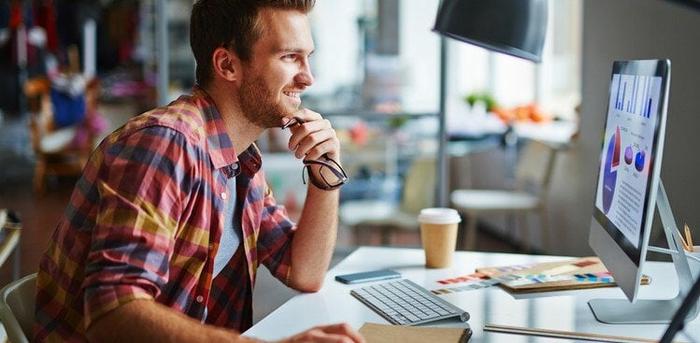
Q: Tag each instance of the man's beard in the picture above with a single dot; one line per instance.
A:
(258, 104)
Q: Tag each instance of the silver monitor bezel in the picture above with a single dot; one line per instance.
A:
(617, 253)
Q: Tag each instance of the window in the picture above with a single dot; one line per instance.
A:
(554, 84)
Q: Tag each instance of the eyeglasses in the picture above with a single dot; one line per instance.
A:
(332, 175)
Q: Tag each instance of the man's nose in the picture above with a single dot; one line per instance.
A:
(305, 76)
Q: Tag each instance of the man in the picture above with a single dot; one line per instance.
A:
(172, 216)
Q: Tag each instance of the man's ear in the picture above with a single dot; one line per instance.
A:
(225, 64)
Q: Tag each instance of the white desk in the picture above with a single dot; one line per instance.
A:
(558, 310)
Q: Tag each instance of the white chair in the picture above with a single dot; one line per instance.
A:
(9, 240)
(389, 217)
(17, 308)
(533, 176)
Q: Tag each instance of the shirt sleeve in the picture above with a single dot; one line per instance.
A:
(274, 243)
(142, 180)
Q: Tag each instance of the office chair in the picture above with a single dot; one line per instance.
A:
(17, 308)
(387, 217)
(533, 176)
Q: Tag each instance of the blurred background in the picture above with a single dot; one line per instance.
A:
(73, 71)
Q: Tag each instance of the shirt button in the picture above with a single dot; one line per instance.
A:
(200, 299)
(223, 195)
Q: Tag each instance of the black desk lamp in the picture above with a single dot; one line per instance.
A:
(513, 27)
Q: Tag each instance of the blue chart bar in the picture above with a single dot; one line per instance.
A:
(644, 94)
(617, 98)
(647, 95)
(640, 97)
(633, 108)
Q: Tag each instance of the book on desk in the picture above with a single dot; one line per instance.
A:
(380, 333)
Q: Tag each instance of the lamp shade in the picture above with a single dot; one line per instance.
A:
(513, 27)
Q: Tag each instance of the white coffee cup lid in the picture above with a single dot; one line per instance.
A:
(439, 215)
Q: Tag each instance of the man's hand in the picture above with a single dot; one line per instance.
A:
(314, 137)
(330, 333)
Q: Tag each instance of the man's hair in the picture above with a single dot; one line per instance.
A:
(231, 24)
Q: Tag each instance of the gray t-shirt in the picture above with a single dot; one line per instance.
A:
(229, 238)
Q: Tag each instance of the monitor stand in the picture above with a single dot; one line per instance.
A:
(621, 311)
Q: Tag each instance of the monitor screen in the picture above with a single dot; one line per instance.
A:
(623, 202)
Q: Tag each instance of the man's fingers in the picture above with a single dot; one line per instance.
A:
(317, 335)
(344, 329)
(313, 137)
(306, 115)
(329, 147)
(312, 140)
(336, 333)
(299, 132)
(330, 338)
(302, 116)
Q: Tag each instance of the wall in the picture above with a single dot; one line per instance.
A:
(633, 29)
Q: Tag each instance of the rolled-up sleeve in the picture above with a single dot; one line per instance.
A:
(143, 183)
(274, 243)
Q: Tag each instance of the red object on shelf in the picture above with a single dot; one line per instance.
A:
(359, 133)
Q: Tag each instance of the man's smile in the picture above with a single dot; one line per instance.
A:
(293, 94)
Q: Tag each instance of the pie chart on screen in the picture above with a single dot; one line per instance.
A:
(612, 161)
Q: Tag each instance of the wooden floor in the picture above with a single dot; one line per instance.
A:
(39, 217)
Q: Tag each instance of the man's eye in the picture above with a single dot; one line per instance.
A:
(289, 57)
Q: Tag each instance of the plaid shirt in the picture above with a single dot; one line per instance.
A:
(145, 221)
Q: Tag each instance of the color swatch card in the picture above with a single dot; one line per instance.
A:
(581, 273)
(471, 282)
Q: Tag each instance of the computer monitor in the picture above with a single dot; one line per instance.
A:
(628, 188)
(630, 164)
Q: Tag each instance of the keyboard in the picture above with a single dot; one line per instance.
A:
(405, 303)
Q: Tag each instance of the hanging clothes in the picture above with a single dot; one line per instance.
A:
(45, 16)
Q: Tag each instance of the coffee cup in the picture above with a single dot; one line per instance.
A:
(438, 230)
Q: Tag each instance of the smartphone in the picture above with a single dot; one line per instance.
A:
(375, 275)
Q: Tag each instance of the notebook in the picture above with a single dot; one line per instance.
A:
(379, 333)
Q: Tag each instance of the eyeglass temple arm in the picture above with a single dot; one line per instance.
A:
(339, 172)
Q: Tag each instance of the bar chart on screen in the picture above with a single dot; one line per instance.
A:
(635, 94)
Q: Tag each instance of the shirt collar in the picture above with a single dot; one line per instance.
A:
(220, 147)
